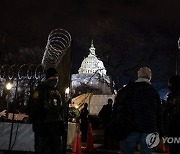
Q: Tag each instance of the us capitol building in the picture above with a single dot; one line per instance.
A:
(91, 85)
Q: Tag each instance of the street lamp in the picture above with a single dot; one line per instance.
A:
(8, 87)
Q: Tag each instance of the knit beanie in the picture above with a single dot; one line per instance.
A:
(50, 72)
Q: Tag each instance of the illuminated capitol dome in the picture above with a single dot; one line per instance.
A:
(91, 75)
(92, 64)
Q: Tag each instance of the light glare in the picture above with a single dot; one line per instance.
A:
(67, 91)
(8, 86)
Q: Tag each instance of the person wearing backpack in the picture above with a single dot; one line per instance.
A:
(46, 115)
(147, 112)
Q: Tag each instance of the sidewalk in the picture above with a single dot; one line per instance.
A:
(98, 145)
(100, 150)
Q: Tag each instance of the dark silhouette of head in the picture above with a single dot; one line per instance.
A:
(86, 105)
(174, 83)
(110, 101)
(51, 72)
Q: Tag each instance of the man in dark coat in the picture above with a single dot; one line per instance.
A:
(46, 114)
(146, 106)
(172, 112)
(105, 115)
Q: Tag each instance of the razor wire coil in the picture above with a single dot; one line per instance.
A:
(59, 40)
(21, 72)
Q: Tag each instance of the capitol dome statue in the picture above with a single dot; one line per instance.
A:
(92, 64)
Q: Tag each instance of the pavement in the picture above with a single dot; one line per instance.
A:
(100, 149)
(97, 136)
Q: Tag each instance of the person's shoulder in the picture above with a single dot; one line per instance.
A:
(145, 85)
(42, 85)
(131, 84)
(83, 110)
(127, 87)
(151, 89)
(104, 107)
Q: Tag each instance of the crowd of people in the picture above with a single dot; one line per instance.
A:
(149, 114)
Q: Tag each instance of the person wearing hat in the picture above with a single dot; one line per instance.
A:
(172, 112)
(145, 104)
(46, 115)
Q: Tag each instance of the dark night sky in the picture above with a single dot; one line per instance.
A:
(131, 33)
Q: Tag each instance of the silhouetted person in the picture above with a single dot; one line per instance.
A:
(46, 114)
(84, 122)
(172, 112)
(105, 115)
(146, 106)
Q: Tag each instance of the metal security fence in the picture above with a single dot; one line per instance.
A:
(23, 79)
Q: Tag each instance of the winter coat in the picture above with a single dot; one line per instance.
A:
(46, 110)
(105, 114)
(146, 105)
(172, 114)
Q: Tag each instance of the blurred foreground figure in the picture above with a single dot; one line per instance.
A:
(46, 114)
(145, 104)
(172, 113)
